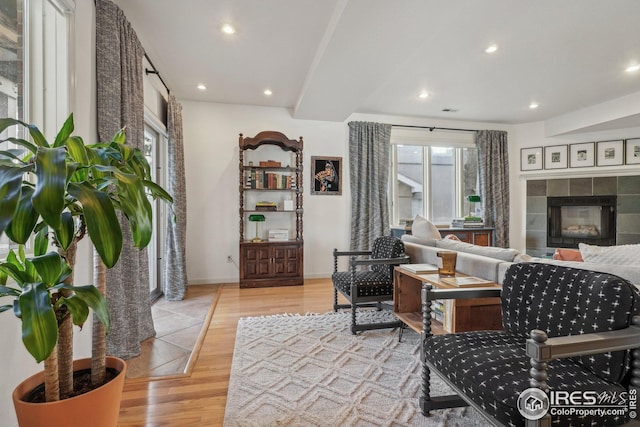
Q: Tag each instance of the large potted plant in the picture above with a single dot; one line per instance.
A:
(59, 193)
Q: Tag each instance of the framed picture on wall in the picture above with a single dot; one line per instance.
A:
(581, 155)
(555, 157)
(326, 175)
(531, 159)
(632, 151)
(610, 153)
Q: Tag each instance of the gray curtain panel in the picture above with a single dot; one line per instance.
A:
(493, 158)
(369, 151)
(175, 261)
(120, 103)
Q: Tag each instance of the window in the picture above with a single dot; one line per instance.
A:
(432, 179)
(34, 71)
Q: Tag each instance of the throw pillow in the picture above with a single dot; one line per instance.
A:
(423, 228)
(567, 255)
(488, 251)
(617, 255)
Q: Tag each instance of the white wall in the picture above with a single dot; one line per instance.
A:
(17, 362)
(211, 158)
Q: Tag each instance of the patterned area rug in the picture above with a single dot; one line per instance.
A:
(292, 370)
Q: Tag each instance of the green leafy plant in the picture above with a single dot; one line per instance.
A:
(61, 192)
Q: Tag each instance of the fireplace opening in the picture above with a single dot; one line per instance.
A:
(586, 219)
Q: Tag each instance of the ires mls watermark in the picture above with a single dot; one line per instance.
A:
(534, 403)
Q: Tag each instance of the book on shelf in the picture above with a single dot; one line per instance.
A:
(420, 268)
(467, 222)
(465, 281)
(266, 206)
(264, 180)
(278, 235)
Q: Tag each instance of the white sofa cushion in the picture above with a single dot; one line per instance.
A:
(488, 251)
(424, 229)
(616, 255)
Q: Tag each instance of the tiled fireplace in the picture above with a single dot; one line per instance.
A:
(599, 211)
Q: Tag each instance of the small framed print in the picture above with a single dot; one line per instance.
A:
(610, 153)
(531, 159)
(632, 151)
(555, 157)
(581, 155)
(326, 175)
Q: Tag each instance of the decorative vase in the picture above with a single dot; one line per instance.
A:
(98, 408)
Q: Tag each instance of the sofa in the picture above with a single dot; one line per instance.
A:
(491, 263)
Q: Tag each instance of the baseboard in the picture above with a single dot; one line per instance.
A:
(234, 279)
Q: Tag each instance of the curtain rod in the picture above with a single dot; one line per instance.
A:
(432, 128)
(156, 72)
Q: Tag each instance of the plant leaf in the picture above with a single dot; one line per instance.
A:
(66, 232)
(135, 205)
(92, 297)
(39, 325)
(102, 223)
(6, 291)
(10, 189)
(49, 267)
(41, 241)
(78, 309)
(65, 131)
(24, 218)
(51, 172)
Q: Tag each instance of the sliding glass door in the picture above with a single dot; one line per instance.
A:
(155, 152)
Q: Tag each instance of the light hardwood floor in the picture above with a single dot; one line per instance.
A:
(200, 399)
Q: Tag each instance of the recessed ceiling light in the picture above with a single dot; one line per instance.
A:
(201, 87)
(424, 94)
(268, 92)
(228, 29)
(491, 48)
(533, 105)
(633, 68)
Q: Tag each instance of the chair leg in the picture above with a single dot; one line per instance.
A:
(404, 325)
(353, 317)
(426, 389)
(335, 300)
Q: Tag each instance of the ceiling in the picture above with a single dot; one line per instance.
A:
(327, 59)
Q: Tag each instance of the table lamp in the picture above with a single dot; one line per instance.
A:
(473, 199)
(257, 218)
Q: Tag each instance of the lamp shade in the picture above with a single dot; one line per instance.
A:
(256, 217)
(474, 198)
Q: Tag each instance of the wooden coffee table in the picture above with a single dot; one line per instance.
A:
(465, 314)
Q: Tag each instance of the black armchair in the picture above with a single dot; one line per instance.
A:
(372, 286)
(566, 330)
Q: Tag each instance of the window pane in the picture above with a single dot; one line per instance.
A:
(443, 184)
(10, 77)
(409, 181)
(470, 183)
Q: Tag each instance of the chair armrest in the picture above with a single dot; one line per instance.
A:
(461, 293)
(337, 253)
(582, 345)
(380, 261)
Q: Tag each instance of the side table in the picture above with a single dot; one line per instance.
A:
(463, 315)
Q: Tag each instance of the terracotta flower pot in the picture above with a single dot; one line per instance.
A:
(98, 408)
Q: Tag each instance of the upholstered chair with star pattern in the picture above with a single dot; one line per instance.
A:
(369, 280)
(565, 330)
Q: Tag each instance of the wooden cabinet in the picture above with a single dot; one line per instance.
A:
(270, 190)
(271, 264)
(476, 236)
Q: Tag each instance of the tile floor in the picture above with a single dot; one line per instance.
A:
(179, 328)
